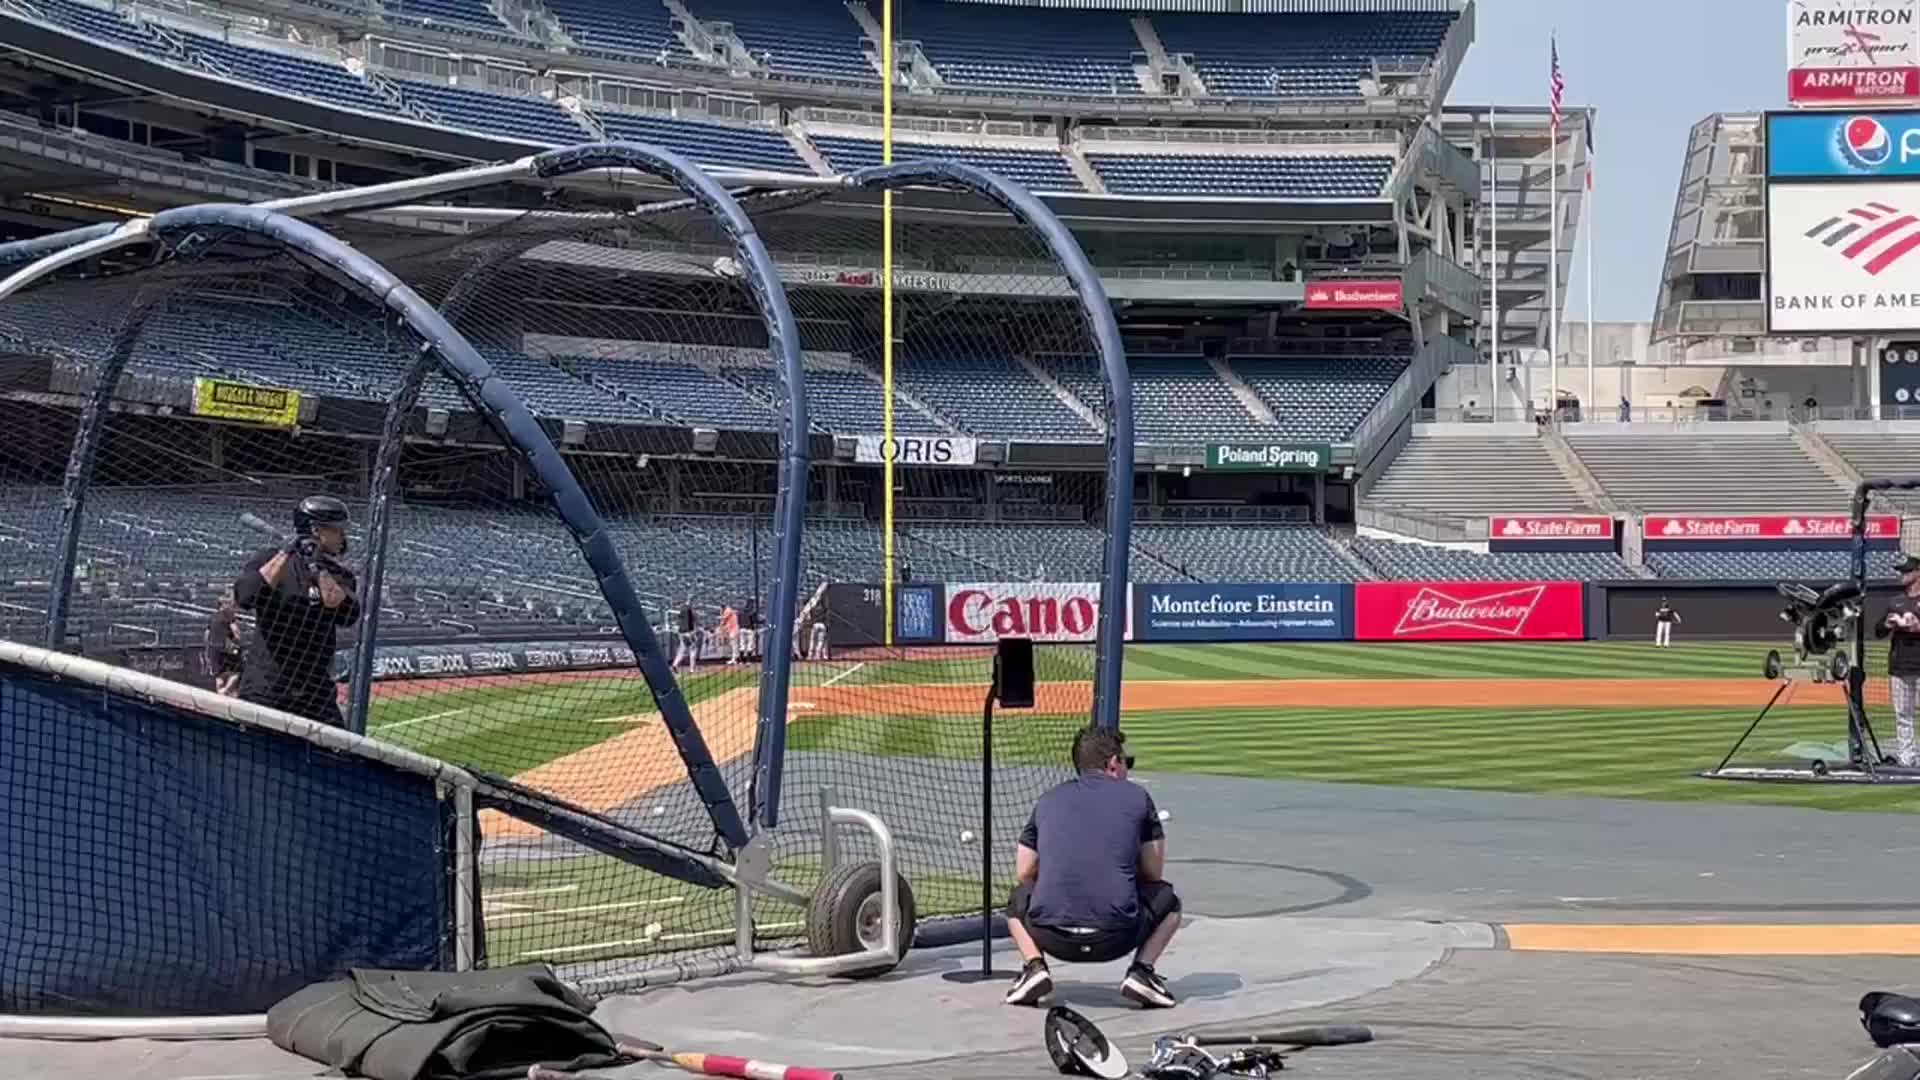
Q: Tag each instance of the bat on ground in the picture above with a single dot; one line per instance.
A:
(1325, 1035)
(703, 1064)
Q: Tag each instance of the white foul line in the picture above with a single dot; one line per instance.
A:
(420, 719)
(845, 673)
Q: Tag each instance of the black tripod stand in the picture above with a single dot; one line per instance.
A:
(1012, 687)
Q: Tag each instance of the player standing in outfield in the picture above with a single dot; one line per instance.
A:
(300, 596)
(1902, 623)
(686, 646)
(730, 634)
(1663, 619)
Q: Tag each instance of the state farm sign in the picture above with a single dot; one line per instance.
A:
(1842, 51)
(1355, 296)
(984, 612)
(1469, 611)
(1766, 527)
(1549, 527)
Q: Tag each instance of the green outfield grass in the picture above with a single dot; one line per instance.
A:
(1611, 751)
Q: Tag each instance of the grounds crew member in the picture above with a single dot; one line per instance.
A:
(1663, 619)
(1089, 867)
(1902, 623)
(300, 596)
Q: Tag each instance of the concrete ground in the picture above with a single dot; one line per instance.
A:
(1434, 916)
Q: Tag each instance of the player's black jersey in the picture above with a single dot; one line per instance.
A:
(289, 663)
(1903, 652)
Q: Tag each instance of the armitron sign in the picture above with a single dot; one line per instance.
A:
(1769, 528)
(916, 450)
(1270, 457)
(1469, 611)
(1841, 51)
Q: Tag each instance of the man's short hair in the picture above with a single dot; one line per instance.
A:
(1094, 746)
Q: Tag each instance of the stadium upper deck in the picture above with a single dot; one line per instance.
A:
(575, 70)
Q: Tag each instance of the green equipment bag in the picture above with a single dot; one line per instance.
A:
(431, 1025)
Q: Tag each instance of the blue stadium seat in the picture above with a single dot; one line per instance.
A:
(1041, 170)
(284, 73)
(103, 26)
(816, 38)
(527, 119)
(1299, 55)
(470, 17)
(1320, 397)
(621, 28)
(987, 394)
(1226, 553)
(1023, 48)
(1397, 561)
(706, 143)
(1322, 176)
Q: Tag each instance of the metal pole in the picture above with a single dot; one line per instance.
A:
(986, 971)
(1553, 276)
(1493, 204)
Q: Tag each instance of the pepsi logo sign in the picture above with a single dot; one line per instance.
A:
(1864, 142)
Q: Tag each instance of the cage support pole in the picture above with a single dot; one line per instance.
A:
(985, 971)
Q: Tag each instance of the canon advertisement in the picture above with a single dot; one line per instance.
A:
(1841, 257)
(980, 613)
(1852, 51)
(1469, 611)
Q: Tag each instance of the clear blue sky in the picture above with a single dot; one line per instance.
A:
(1653, 68)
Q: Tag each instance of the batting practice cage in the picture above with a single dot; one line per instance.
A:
(1835, 672)
(574, 571)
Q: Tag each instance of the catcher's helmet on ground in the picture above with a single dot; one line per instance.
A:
(319, 510)
(1079, 1049)
(1890, 1019)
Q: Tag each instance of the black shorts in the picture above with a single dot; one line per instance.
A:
(1097, 945)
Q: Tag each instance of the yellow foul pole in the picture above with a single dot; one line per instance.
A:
(886, 311)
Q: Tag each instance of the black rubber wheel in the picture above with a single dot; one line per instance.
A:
(1819, 767)
(1772, 667)
(1839, 665)
(844, 916)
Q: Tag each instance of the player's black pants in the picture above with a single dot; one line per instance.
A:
(1097, 945)
(321, 708)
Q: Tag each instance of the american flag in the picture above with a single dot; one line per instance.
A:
(1557, 83)
(1879, 235)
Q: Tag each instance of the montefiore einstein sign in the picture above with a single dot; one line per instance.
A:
(1270, 457)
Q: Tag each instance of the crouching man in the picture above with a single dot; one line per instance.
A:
(1090, 886)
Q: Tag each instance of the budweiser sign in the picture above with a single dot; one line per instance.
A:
(1355, 296)
(1549, 527)
(1469, 611)
(1766, 527)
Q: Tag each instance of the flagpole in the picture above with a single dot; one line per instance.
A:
(1493, 204)
(1553, 273)
(1593, 237)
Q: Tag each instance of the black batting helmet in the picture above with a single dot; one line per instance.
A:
(319, 510)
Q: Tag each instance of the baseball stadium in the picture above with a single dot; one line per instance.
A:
(592, 537)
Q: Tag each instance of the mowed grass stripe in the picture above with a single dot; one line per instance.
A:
(1652, 754)
(1457, 660)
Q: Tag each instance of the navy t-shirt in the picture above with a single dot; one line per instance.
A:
(1088, 832)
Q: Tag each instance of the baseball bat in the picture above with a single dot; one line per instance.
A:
(1325, 1035)
(260, 525)
(703, 1064)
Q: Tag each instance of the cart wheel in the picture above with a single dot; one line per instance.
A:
(1819, 767)
(844, 916)
(1772, 667)
(1839, 666)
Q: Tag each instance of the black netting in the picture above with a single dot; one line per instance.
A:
(162, 861)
